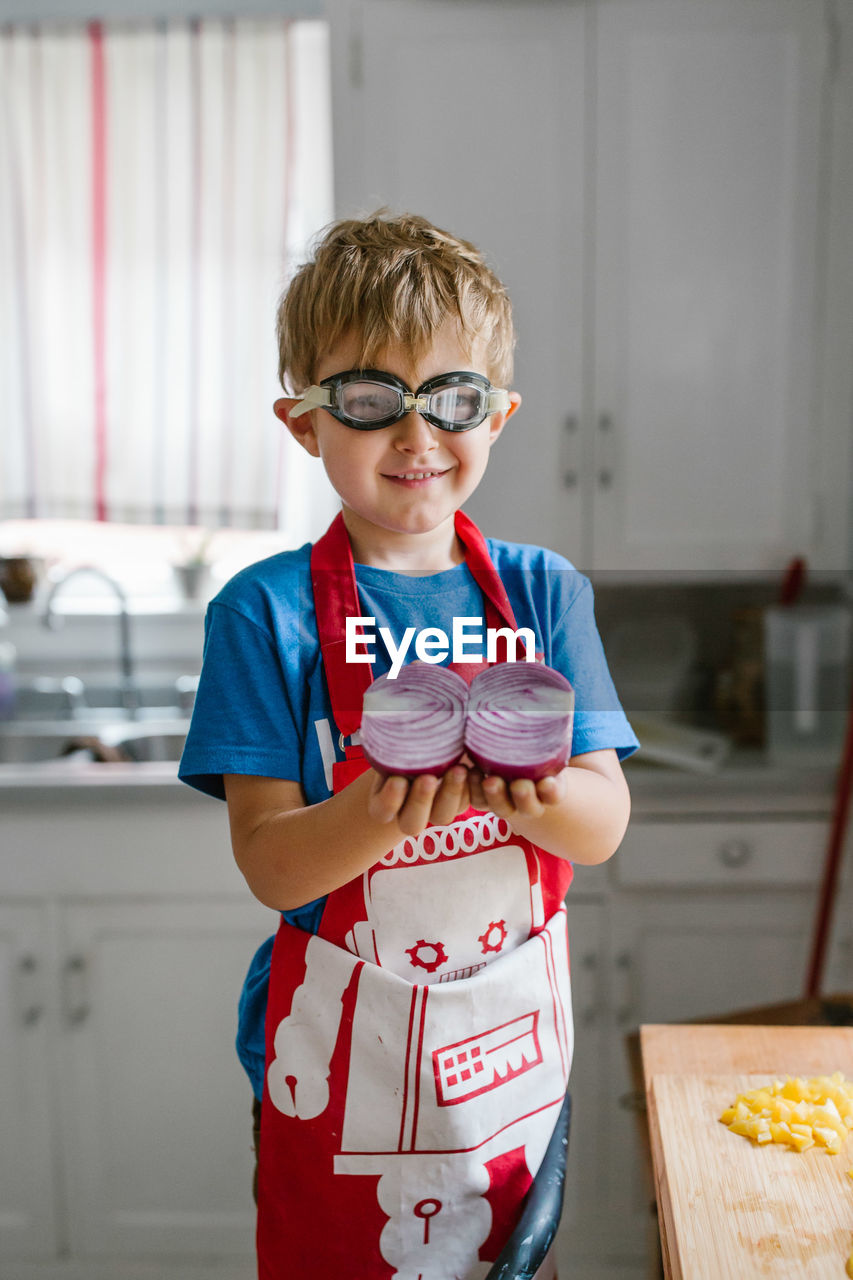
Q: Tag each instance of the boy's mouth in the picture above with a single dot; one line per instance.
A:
(414, 477)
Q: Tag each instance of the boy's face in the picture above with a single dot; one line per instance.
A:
(409, 478)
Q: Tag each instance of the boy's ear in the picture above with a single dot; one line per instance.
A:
(301, 428)
(498, 420)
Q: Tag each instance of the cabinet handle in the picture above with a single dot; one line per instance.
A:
(634, 1100)
(625, 970)
(30, 1005)
(589, 962)
(75, 989)
(606, 451)
(735, 852)
(568, 467)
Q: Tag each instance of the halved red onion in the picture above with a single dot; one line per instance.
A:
(519, 722)
(415, 723)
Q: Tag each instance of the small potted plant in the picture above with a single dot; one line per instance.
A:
(193, 568)
(19, 576)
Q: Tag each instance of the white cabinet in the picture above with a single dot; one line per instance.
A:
(681, 956)
(586, 918)
(27, 1114)
(708, 150)
(594, 1239)
(126, 1117)
(652, 179)
(474, 115)
(697, 916)
(155, 1105)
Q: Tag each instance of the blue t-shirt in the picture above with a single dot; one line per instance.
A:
(262, 705)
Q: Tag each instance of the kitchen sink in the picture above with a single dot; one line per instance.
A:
(158, 735)
(63, 718)
(150, 744)
(68, 698)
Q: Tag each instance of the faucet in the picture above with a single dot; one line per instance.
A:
(53, 620)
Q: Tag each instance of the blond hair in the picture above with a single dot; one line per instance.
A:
(390, 280)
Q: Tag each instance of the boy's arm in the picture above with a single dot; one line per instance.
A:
(292, 853)
(580, 813)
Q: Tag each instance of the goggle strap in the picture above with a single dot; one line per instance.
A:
(314, 398)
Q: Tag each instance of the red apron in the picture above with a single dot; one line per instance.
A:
(418, 1048)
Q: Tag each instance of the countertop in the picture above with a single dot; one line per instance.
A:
(746, 784)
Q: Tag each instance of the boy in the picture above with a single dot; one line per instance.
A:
(409, 1029)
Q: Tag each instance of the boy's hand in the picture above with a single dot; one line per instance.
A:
(415, 802)
(520, 798)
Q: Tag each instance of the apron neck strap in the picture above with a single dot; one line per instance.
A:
(498, 608)
(336, 599)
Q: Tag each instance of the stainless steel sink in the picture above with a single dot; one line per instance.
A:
(68, 698)
(159, 735)
(57, 717)
(150, 744)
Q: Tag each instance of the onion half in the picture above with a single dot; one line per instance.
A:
(415, 723)
(519, 722)
(515, 720)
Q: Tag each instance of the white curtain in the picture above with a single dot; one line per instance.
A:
(158, 182)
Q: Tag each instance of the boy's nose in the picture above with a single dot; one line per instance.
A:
(415, 435)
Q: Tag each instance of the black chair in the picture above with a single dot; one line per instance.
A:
(525, 1250)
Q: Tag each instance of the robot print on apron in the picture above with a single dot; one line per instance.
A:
(418, 1047)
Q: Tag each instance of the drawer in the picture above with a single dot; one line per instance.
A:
(721, 854)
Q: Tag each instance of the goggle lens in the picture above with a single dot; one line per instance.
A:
(369, 401)
(458, 405)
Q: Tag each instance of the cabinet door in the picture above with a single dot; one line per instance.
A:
(680, 957)
(474, 115)
(584, 1175)
(27, 1201)
(838, 963)
(156, 1107)
(597, 1237)
(708, 171)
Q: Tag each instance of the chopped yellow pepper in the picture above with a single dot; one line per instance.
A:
(796, 1113)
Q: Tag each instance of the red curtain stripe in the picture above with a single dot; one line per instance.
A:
(99, 266)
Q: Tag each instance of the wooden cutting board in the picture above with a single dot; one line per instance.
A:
(737, 1210)
(729, 1210)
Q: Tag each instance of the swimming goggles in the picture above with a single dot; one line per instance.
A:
(367, 399)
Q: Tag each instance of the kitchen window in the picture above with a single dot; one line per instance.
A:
(159, 182)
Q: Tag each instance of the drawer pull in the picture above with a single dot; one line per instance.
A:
(625, 974)
(606, 451)
(76, 990)
(589, 1014)
(569, 452)
(30, 1003)
(735, 852)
